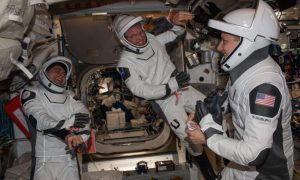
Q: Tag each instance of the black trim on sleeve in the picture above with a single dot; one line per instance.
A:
(124, 72)
(265, 100)
(86, 132)
(26, 96)
(210, 132)
(60, 133)
(56, 128)
(260, 158)
(168, 92)
(32, 121)
(76, 98)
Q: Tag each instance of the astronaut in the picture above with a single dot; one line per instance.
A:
(258, 96)
(148, 72)
(59, 124)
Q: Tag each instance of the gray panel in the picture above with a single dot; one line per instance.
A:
(126, 6)
(90, 39)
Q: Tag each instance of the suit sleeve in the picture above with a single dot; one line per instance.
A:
(139, 87)
(263, 107)
(78, 107)
(170, 35)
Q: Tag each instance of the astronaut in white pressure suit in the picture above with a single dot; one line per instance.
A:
(59, 124)
(258, 96)
(149, 73)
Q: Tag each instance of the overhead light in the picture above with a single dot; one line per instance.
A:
(99, 14)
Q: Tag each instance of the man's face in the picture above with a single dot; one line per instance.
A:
(227, 44)
(136, 35)
(57, 75)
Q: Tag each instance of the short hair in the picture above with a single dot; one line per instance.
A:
(57, 64)
(136, 24)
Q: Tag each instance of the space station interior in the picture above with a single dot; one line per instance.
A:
(131, 136)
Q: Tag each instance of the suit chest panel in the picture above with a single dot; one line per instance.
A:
(58, 110)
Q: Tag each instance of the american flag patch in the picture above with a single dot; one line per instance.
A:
(265, 100)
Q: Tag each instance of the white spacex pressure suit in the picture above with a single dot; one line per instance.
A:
(147, 74)
(259, 99)
(44, 110)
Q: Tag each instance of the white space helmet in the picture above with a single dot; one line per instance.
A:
(121, 24)
(44, 79)
(257, 29)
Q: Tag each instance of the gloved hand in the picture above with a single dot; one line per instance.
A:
(177, 81)
(81, 120)
(202, 17)
(201, 111)
(82, 148)
(209, 114)
(214, 102)
(182, 79)
(213, 9)
(210, 124)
